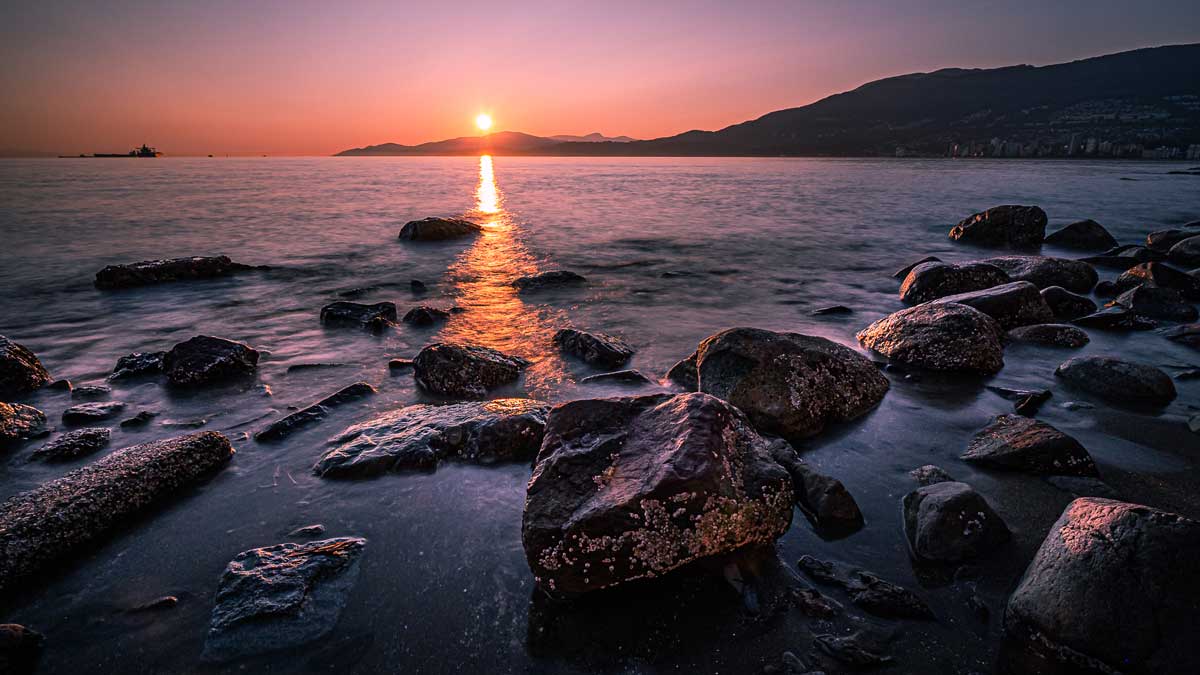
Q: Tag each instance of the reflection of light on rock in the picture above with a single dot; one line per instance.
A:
(495, 316)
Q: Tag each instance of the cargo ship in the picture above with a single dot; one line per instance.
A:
(144, 151)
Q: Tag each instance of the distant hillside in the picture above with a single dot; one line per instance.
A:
(501, 142)
(594, 137)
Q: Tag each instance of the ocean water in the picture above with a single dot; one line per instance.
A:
(673, 250)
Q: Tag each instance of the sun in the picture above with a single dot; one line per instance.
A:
(483, 121)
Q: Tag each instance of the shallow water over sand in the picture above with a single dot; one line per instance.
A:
(674, 250)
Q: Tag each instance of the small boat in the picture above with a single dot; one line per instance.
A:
(144, 151)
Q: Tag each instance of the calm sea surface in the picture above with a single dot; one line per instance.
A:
(674, 250)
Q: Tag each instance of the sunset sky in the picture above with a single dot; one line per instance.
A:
(317, 77)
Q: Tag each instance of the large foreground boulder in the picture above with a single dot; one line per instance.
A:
(1084, 235)
(20, 370)
(417, 437)
(281, 596)
(950, 522)
(1162, 276)
(20, 422)
(205, 360)
(1074, 275)
(788, 384)
(1065, 305)
(438, 229)
(1011, 305)
(1113, 587)
(465, 371)
(1117, 380)
(932, 280)
(1011, 225)
(42, 527)
(374, 317)
(939, 336)
(1022, 444)
(597, 349)
(632, 488)
(149, 272)
(314, 413)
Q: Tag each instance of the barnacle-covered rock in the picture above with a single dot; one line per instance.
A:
(1022, 444)
(464, 371)
(938, 336)
(950, 522)
(20, 422)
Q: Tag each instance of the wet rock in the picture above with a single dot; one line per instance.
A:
(1117, 380)
(20, 370)
(314, 413)
(1163, 240)
(543, 280)
(61, 385)
(1162, 276)
(465, 371)
(1065, 305)
(1051, 335)
(950, 522)
(139, 420)
(1074, 275)
(19, 423)
(1022, 444)
(425, 315)
(438, 229)
(400, 364)
(74, 444)
(883, 598)
(1011, 305)
(85, 413)
(597, 349)
(823, 499)
(632, 488)
(1187, 335)
(417, 286)
(138, 364)
(371, 317)
(417, 437)
(47, 524)
(1186, 252)
(1157, 303)
(1083, 235)
(1083, 486)
(833, 310)
(302, 367)
(1112, 583)
(1115, 318)
(20, 648)
(684, 374)
(938, 336)
(851, 650)
(813, 603)
(1122, 258)
(156, 605)
(630, 377)
(820, 570)
(1026, 402)
(903, 271)
(91, 392)
(1106, 289)
(308, 531)
(929, 281)
(205, 360)
(1010, 225)
(150, 272)
(788, 384)
(930, 474)
(281, 596)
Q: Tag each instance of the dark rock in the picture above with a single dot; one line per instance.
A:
(551, 279)
(1106, 289)
(139, 420)
(205, 360)
(1186, 252)
(851, 650)
(371, 317)
(813, 603)
(91, 392)
(631, 377)
(464, 371)
(597, 349)
(438, 229)
(1163, 240)
(314, 413)
(1051, 335)
(929, 281)
(417, 286)
(1065, 305)
(1157, 303)
(61, 385)
(156, 605)
(1022, 444)
(950, 522)
(930, 474)
(1187, 335)
(19, 423)
(820, 570)
(631, 488)
(1029, 405)
(20, 370)
(400, 364)
(20, 648)
(1043, 272)
(138, 364)
(1118, 380)
(150, 272)
(831, 310)
(823, 499)
(73, 444)
(419, 436)
(883, 598)
(684, 374)
(1115, 318)
(1011, 305)
(281, 597)
(424, 315)
(787, 383)
(85, 413)
(47, 524)
(301, 367)
(1015, 226)
(308, 531)
(1123, 257)
(1162, 276)
(903, 271)
(353, 293)
(1083, 486)
(939, 336)
(1084, 235)
(1112, 583)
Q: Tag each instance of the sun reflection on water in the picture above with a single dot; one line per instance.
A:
(495, 315)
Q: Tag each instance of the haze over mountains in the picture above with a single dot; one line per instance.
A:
(1129, 100)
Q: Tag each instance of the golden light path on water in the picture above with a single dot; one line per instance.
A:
(495, 314)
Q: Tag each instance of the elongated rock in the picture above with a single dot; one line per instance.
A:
(313, 413)
(438, 229)
(150, 272)
(49, 523)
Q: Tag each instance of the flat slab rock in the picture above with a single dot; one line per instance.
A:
(51, 522)
(74, 444)
(625, 377)
(434, 228)
(1010, 225)
(465, 371)
(932, 280)
(20, 370)
(1022, 444)
(1116, 380)
(543, 280)
(633, 488)
(281, 596)
(20, 422)
(205, 360)
(949, 522)
(418, 437)
(596, 349)
(1015, 304)
(939, 336)
(1158, 303)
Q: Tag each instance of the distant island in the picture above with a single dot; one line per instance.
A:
(1143, 103)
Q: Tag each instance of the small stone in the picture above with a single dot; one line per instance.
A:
(91, 392)
(158, 604)
(425, 315)
(371, 317)
(138, 364)
(308, 531)
(850, 650)
(544, 280)
(92, 412)
(400, 364)
(1050, 335)
(930, 474)
(820, 570)
(626, 377)
(434, 228)
(139, 420)
(834, 309)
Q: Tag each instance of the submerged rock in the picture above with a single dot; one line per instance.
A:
(20, 370)
(465, 371)
(85, 413)
(281, 596)
(438, 229)
(1186, 252)
(883, 598)
(1065, 305)
(91, 392)
(631, 377)
(1083, 235)
(903, 271)
(139, 420)
(1043, 272)
(1115, 318)
(417, 437)
(938, 336)
(1117, 380)
(74, 444)
(684, 374)
(1123, 257)
(371, 317)
(47, 524)
(425, 315)
(950, 522)
(1163, 240)
(150, 272)
(832, 310)
(1112, 583)
(1010, 225)
(632, 488)
(1026, 402)
(20, 648)
(597, 349)
(138, 364)
(205, 360)
(823, 499)
(1162, 276)
(851, 650)
(1051, 335)
(1157, 303)
(549, 279)
(1023, 444)
(20, 422)
(788, 383)
(400, 364)
(1186, 335)
(1011, 305)
(314, 413)
(929, 281)
(930, 474)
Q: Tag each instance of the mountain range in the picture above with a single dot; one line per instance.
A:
(1145, 97)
